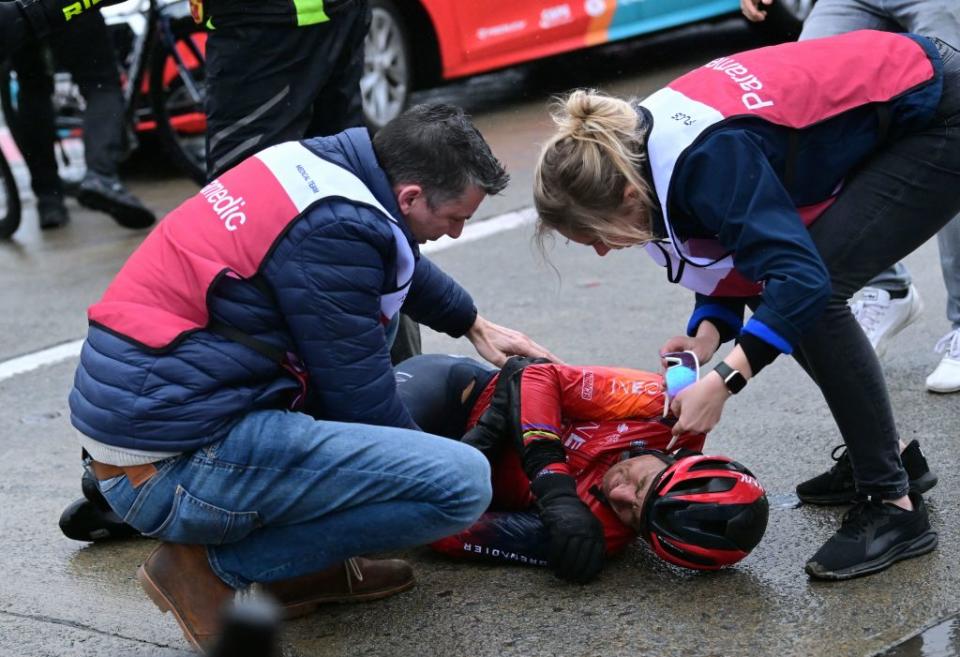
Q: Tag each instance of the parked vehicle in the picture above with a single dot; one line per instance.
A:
(413, 44)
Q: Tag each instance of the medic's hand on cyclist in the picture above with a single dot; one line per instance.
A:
(755, 10)
(497, 343)
(577, 546)
(698, 407)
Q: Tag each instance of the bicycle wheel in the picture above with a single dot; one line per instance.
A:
(9, 200)
(177, 95)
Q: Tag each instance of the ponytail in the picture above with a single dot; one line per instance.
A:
(585, 167)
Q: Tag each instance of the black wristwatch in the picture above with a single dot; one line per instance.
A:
(731, 377)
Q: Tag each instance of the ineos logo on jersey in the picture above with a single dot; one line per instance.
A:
(618, 387)
(225, 206)
(743, 77)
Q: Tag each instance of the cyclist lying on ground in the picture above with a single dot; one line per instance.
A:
(581, 465)
(586, 445)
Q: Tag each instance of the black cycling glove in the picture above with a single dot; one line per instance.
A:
(577, 545)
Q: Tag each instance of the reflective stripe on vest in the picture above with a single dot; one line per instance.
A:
(795, 85)
(229, 228)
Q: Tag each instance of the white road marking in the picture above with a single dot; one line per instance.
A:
(471, 233)
(30, 362)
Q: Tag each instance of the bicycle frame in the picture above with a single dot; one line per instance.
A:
(148, 25)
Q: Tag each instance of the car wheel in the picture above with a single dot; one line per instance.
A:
(387, 70)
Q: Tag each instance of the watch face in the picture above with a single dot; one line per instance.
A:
(735, 382)
(733, 379)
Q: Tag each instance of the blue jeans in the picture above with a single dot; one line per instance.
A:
(938, 18)
(284, 495)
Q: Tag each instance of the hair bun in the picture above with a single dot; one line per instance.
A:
(586, 112)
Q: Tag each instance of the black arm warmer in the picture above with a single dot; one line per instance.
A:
(759, 353)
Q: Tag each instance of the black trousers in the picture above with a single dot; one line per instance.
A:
(894, 203)
(85, 50)
(267, 84)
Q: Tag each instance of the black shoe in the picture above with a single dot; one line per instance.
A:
(83, 521)
(91, 518)
(836, 485)
(874, 535)
(108, 195)
(52, 212)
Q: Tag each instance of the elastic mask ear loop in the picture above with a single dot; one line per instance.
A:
(648, 501)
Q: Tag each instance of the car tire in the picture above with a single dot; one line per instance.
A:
(387, 66)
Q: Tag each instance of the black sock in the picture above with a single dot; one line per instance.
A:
(899, 294)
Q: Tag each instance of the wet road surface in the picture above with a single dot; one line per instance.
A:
(59, 597)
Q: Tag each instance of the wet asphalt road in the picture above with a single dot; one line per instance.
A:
(59, 597)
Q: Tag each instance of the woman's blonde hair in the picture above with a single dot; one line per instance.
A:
(585, 167)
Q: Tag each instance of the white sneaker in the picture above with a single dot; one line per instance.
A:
(882, 317)
(946, 378)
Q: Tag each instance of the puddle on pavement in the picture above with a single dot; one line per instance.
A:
(783, 500)
(941, 640)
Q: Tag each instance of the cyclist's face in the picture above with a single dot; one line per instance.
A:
(430, 223)
(626, 485)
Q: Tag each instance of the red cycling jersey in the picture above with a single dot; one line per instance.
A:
(599, 414)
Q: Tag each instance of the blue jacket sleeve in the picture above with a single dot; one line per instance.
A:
(327, 277)
(438, 301)
(725, 313)
(728, 185)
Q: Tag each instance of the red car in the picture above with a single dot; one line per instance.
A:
(417, 43)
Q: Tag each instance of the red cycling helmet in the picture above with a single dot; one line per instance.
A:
(704, 512)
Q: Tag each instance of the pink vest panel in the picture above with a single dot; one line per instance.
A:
(228, 228)
(799, 85)
(806, 82)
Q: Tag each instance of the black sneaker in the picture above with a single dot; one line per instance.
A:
(52, 212)
(836, 485)
(91, 519)
(108, 195)
(873, 536)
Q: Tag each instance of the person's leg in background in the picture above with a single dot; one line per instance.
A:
(941, 18)
(284, 500)
(338, 105)
(264, 82)
(946, 377)
(256, 90)
(87, 52)
(889, 301)
(35, 132)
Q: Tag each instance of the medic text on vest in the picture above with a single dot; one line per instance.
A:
(225, 206)
(747, 81)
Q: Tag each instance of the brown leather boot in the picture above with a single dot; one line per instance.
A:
(355, 580)
(178, 578)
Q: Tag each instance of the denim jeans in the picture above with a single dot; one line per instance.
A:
(899, 199)
(938, 18)
(284, 495)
